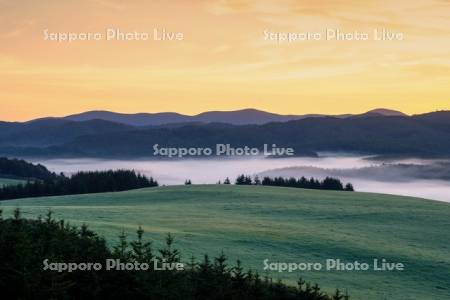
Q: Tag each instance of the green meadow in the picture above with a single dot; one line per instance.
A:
(282, 225)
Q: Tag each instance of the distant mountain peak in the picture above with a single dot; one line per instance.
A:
(235, 117)
(385, 112)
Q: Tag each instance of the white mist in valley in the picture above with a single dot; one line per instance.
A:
(412, 177)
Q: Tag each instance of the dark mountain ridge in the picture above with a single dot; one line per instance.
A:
(383, 112)
(53, 131)
(237, 117)
(138, 119)
(419, 135)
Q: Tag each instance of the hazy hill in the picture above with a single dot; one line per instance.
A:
(246, 116)
(238, 117)
(139, 119)
(437, 117)
(379, 135)
(52, 131)
(383, 112)
(419, 135)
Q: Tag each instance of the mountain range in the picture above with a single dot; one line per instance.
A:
(238, 117)
(105, 134)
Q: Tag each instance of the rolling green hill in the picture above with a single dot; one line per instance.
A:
(282, 224)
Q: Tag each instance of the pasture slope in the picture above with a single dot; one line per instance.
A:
(282, 224)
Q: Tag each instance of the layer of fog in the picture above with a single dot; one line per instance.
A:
(413, 177)
(382, 179)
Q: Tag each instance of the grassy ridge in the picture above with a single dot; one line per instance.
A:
(283, 224)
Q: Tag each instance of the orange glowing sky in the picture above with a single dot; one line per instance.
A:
(223, 63)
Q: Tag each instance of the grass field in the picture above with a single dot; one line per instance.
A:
(7, 181)
(282, 224)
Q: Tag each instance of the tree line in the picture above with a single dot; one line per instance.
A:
(18, 168)
(79, 183)
(25, 244)
(329, 183)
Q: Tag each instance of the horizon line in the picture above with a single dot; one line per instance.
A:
(220, 111)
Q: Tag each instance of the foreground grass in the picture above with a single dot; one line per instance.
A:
(282, 224)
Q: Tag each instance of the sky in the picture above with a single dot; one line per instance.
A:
(224, 60)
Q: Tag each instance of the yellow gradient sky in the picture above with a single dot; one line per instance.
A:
(223, 63)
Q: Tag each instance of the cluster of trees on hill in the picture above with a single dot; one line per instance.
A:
(25, 244)
(79, 183)
(329, 183)
(18, 168)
